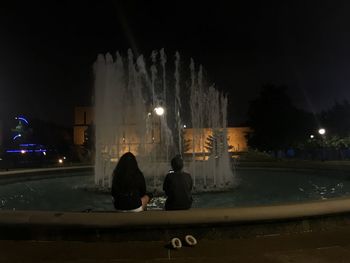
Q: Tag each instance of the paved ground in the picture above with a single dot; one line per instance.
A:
(331, 246)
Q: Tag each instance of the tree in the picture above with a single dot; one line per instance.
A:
(336, 119)
(275, 122)
(215, 143)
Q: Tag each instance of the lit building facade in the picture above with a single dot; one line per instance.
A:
(83, 119)
(236, 139)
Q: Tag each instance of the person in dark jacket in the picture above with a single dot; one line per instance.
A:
(178, 186)
(129, 186)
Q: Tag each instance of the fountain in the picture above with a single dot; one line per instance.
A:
(143, 110)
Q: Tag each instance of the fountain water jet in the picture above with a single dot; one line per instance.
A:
(126, 94)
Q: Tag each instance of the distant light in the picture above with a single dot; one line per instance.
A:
(60, 160)
(322, 131)
(44, 153)
(27, 144)
(312, 136)
(64, 158)
(185, 126)
(27, 151)
(17, 136)
(23, 151)
(22, 119)
(159, 110)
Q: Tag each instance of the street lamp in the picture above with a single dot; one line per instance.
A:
(322, 131)
(159, 110)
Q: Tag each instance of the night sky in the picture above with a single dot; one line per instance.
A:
(47, 49)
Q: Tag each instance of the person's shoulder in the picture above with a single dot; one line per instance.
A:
(168, 175)
(186, 174)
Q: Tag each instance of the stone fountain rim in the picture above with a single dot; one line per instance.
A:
(193, 216)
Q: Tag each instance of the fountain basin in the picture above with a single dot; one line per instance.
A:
(72, 189)
(208, 223)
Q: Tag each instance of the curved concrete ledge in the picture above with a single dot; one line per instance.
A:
(221, 223)
(168, 218)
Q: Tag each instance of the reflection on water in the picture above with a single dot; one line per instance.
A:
(78, 193)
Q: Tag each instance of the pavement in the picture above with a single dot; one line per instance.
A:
(321, 246)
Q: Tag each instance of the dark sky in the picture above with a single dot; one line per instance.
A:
(47, 49)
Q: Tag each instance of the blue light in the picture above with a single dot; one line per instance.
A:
(27, 151)
(17, 136)
(22, 119)
(27, 144)
(13, 151)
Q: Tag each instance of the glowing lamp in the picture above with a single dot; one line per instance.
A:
(159, 110)
(322, 131)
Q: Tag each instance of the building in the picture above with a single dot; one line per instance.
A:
(83, 119)
(236, 139)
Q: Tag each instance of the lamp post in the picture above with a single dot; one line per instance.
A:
(322, 132)
(159, 110)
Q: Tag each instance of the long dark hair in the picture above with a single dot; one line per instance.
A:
(126, 173)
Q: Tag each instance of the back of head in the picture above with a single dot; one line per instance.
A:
(127, 167)
(177, 163)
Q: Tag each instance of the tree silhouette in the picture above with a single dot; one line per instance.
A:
(336, 119)
(275, 122)
(215, 143)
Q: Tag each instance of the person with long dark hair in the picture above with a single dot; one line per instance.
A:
(129, 186)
